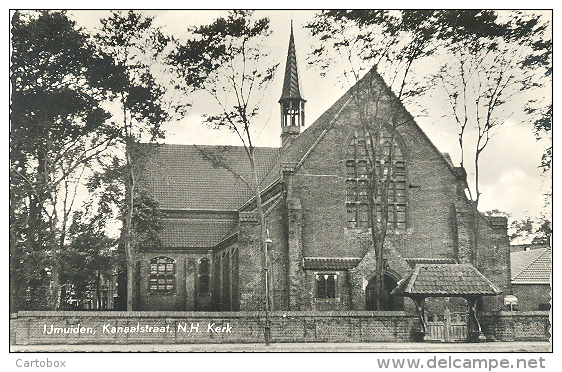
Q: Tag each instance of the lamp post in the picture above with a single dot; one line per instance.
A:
(267, 334)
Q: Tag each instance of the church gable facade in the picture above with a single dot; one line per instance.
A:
(316, 208)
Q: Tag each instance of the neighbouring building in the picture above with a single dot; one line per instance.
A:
(530, 277)
(315, 200)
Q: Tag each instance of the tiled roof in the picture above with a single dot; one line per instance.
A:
(291, 87)
(534, 266)
(445, 280)
(182, 177)
(194, 233)
(330, 263)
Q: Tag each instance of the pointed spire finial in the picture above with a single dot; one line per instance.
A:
(291, 87)
(291, 101)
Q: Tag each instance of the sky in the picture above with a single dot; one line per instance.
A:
(510, 178)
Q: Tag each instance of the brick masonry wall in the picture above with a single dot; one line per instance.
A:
(32, 327)
(183, 296)
(276, 217)
(435, 202)
(516, 325)
(531, 295)
(251, 262)
(434, 188)
(493, 259)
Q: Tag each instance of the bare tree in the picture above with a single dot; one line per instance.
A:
(485, 79)
(488, 79)
(226, 59)
(354, 40)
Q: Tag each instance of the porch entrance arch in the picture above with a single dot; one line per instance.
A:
(389, 302)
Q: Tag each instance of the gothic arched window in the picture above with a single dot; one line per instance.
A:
(204, 271)
(357, 169)
(162, 275)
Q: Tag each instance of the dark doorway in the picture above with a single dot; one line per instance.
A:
(388, 301)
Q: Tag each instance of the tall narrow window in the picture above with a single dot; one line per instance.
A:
(326, 286)
(357, 163)
(162, 275)
(204, 269)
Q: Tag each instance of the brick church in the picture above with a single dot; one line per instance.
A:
(320, 248)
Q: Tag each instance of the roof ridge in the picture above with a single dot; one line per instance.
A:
(413, 277)
(373, 74)
(322, 134)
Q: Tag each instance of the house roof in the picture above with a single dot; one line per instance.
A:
(445, 280)
(533, 266)
(528, 246)
(187, 177)
(330, 263)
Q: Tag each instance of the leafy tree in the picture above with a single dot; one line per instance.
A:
(57, 127)
(543, 128)
(134, 45)
(534, 230)
(540, 59)
(107, 188)
(226, 59)
(531, 230)
(90, 255)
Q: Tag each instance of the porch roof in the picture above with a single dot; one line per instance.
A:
(445, 280)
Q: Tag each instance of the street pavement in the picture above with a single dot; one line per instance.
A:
(494, 347)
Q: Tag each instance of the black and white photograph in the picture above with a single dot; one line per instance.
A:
(288, 181)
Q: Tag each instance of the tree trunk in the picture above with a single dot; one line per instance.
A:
(129, 231)
(476, 222)
(98, 290)
(55, 275)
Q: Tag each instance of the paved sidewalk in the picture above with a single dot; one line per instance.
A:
(495, 347)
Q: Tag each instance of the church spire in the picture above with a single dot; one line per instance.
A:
(291, 101)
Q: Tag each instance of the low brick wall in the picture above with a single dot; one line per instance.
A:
(138, 327)
(516, 325)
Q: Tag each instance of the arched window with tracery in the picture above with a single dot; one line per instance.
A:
(358, 166)
(162, 275)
